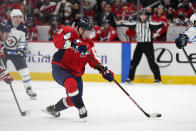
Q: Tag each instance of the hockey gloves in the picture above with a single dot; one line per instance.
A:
(5, 76)
(22, 51)
(107, 74)
(80, 47)
(181, 41)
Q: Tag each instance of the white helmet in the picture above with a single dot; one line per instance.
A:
(16, 12)
(193, 18)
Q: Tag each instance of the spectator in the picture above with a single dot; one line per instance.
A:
(54, 28)
(61, 7)
(88, 9)
(66, 16)
(167, 5)
(181, 20)
(37, 16)
(14, 4)
(187, 8)
(24, 11)
(48, 7)
(3, 7)
(131, 33)
(75, 20)
(108, 33)
(34, 3)
(107, 14)
(75, 9)
(117, 7)
(185, 4)
(7, 14)
(170, 16)
(97, 31)
(45, 19)
(160, 34)
(32, 30)
(101, 6)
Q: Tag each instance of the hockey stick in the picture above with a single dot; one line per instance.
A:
(189, 60)
(16, 53)
(153, 115)
(23, 113)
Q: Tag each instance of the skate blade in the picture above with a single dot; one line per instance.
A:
(84, 120)
(44, 110)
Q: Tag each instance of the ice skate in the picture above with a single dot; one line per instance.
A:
(157, 82)
(83, 113)
(128, 81)
(31, 93)
(50, 110)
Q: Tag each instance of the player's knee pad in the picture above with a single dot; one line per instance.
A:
(67, 102)
(71, 86)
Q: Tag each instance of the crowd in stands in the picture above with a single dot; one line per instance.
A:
(103, 14)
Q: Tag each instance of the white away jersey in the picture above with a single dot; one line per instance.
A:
(17, 37)
(191, 33)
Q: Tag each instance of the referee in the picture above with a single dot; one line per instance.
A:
(144, 29)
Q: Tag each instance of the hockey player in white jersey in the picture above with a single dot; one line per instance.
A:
(188, 35)
(15, 49)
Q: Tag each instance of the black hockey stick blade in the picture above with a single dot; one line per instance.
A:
(24, 113)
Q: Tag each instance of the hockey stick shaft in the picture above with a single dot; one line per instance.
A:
(21, 112)
(15, 53)
(16, 99)
(189, 60)
(146, 114)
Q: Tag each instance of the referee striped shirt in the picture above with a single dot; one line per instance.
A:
(143, 30)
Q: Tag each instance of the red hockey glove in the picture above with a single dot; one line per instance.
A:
(5, 76)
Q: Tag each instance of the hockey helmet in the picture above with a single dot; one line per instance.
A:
(85, 24)
(193, 18)
(16, 12)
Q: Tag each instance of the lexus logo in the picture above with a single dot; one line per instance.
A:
(163, 57)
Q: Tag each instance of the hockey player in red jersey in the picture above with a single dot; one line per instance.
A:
(69, 62)
(4, 30)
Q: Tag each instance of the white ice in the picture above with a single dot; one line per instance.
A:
(109, 109)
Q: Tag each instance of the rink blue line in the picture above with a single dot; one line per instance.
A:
(126, 57)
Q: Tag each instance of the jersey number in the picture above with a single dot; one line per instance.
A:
(59, 31)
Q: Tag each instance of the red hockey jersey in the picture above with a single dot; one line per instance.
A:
(70, 59)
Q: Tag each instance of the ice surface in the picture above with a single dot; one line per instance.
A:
(109, 109)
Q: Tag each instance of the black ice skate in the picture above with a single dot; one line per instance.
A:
(51, 110)
(30, 92)
(157, 81)
(82, 113)
(128, 81)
